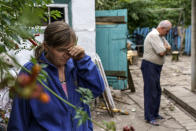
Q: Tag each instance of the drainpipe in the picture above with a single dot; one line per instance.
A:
(193, 47)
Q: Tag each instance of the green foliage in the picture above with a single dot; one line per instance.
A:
(148, 13)
(17, 18)
(86, 97)
(110, 125)
(55, 14)
(81, 115)
(3, 117)
(178, 11)
(86, 94)
(6, 79)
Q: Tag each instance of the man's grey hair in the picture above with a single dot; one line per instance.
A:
(164, 24)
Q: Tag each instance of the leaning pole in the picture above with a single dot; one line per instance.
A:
(193, 47)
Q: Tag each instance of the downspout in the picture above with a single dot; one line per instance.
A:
(193, 47)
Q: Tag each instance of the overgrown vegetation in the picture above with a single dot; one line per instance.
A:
(148, 13)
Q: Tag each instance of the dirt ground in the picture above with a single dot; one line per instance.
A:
(173, 74)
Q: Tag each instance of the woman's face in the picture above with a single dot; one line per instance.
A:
(58, 55)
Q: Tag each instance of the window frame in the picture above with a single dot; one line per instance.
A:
(65, 6)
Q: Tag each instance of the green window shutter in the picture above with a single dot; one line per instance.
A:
(61, 1)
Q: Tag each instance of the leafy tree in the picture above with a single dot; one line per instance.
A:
(17, 18)
(148, 13)
(16, 21)
(178, 11)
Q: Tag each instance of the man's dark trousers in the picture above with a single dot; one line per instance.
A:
(152, 89)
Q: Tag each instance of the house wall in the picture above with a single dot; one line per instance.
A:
(81, 18)
(83, 22)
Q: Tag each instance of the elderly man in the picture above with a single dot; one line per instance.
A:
(155, 48)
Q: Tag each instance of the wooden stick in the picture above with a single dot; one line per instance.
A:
(121, 101)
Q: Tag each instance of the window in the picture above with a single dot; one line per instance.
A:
(63, 8)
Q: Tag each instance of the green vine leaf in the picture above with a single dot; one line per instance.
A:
(87, 95)
(81, 115)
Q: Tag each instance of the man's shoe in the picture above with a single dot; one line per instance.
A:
(159, 117)
(153, 122)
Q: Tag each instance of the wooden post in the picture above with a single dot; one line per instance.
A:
(175, 55)
(193, 47)
(130, 79)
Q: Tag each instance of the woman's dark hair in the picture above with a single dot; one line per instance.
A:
(56, 34)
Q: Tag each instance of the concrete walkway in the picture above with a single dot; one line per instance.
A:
(175, 78)
(175, 82)
(187, 100)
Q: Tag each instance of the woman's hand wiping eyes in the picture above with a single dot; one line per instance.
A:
(76, 52)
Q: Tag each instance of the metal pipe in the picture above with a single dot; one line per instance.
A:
(193, 47)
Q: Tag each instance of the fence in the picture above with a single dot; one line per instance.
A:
(172, 37)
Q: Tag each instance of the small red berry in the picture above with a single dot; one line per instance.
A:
(44, 97)
(24, 79)
(126, 128)
(36, 91)
(131, 128)
(36, 69)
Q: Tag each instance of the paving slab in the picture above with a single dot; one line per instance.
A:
(185, 98)
(190, 99)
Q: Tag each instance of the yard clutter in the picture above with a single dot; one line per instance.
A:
(118, 97)
(127, 128)
(115, 110)
(108, 99)
(132, 56)
(175, 55)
